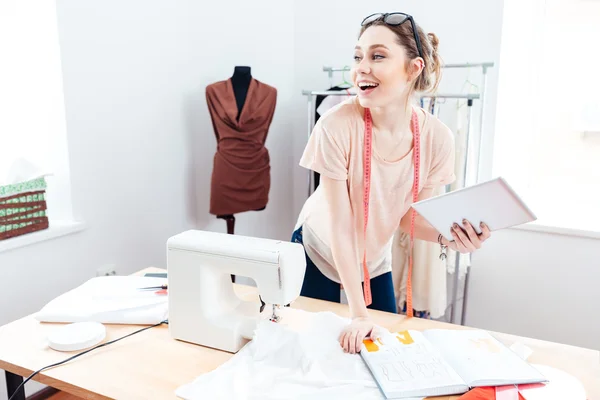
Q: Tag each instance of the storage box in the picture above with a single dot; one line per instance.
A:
(23, 208)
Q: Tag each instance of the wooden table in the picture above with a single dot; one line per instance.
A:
(151, 365)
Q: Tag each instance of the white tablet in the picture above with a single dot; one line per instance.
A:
(494, 202)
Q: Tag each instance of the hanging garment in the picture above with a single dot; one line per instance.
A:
(428, 275)
(241, 169)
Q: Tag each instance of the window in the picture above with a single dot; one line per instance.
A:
(547, 139)
(32, 113)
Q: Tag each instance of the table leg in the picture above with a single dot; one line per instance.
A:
(12, 383)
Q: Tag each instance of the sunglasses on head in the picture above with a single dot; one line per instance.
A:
(395, 19)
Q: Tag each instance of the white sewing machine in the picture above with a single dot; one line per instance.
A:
(203, 307)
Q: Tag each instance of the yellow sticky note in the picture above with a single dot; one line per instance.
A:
(404, 337)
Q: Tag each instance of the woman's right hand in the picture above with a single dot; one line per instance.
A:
(353, 335)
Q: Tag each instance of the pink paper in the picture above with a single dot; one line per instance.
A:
(507, 393)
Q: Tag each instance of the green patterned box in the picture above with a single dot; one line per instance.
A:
(23, 208)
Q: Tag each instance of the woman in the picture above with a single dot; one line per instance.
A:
(391, 64)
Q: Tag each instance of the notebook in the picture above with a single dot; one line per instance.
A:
(493, 202)
(440, 362)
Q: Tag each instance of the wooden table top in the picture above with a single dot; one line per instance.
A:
(152, 365)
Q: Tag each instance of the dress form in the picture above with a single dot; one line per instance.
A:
(240, 81)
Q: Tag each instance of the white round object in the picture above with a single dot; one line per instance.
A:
(77, 336)
(560, 386)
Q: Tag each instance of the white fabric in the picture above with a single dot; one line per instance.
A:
(109, 299)
(282, 361)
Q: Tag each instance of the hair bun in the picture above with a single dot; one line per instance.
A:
(433, 39)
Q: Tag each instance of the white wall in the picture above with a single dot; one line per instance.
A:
(537, 284)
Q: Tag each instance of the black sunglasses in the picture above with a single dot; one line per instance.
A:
(395, 19)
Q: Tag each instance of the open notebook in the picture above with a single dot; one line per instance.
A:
(440, 362)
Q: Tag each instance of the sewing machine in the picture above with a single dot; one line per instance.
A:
(203, 307)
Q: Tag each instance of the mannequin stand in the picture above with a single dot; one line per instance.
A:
(230, 219)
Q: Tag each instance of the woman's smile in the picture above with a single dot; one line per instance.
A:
(366, 87)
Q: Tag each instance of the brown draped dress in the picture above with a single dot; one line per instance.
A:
(241, 169)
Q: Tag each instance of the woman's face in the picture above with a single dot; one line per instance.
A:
(379, 74)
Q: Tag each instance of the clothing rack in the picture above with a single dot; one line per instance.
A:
(311, 108)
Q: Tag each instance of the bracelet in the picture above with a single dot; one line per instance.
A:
(443, 247)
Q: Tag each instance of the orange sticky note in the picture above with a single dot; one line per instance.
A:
(370, 345)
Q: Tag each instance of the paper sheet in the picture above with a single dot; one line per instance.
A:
(109, 299)
(479, 358)
(284, 362)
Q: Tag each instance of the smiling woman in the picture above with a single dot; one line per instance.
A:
(369, 145)
(398, 27)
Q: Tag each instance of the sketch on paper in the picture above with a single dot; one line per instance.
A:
(413, 370)
(396, 372)
(432, 369)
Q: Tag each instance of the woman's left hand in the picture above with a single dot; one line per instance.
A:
(466, 240)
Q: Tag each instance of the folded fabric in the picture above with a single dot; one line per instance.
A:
(304, 361)
(110, 300)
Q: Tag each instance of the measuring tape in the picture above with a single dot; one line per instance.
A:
(367, 154)
(366, 192)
